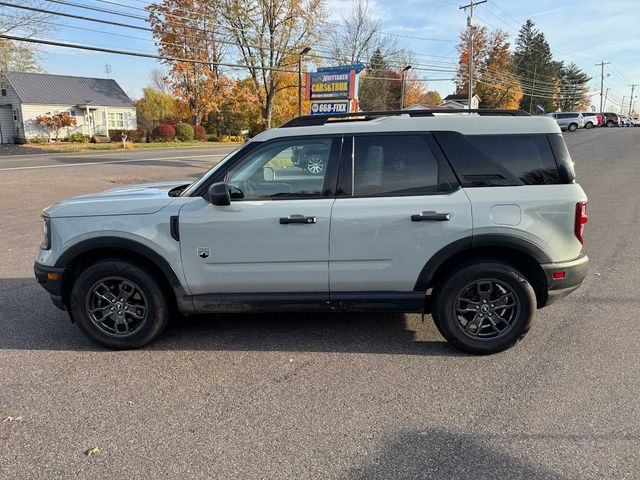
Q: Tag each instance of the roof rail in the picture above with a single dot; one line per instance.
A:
(314, 120)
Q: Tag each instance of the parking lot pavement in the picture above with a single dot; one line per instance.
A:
(326, 396)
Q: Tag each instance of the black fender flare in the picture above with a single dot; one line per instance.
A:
(477, 242)
(98, 243)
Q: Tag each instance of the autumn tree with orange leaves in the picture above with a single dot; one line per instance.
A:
(190, 29)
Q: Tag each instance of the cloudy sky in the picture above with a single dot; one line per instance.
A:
(585, 32)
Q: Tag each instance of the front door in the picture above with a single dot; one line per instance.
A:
(274, 237)
(400, 204)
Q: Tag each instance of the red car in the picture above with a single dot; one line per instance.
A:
(599, 118)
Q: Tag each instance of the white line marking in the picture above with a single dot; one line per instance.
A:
(109, 162)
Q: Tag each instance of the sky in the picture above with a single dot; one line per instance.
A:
(585, 32)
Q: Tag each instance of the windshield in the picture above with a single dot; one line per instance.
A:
(202, 178)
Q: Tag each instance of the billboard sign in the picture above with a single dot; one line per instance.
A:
(333, 89)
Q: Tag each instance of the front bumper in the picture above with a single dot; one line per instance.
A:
(574, 271)
(51, 280)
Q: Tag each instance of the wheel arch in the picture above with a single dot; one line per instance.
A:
(522, 254)
(87, 252)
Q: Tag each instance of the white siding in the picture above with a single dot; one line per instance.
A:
(32, 129)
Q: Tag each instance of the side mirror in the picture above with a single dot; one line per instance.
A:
(218, 194)
(268, 174)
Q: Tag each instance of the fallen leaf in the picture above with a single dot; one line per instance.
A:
(92, 451)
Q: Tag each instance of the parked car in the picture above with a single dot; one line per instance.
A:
(591, 119)
(634, 121)
(571, 121)
(600, 119)
(444, 214)
(625, 121)
(611, 119)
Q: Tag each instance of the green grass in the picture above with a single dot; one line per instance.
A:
(88, 147)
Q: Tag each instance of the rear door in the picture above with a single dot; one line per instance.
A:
(398, 204)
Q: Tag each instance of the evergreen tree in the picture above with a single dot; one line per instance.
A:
(534, 65)
(574, 89)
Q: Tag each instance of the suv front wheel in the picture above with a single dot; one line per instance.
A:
(118, 304)
(484, 307)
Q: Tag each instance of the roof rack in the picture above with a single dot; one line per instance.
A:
(314, 120)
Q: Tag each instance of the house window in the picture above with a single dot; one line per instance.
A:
(116, 120)
(4, 92)
(15, 114)
(72, 113)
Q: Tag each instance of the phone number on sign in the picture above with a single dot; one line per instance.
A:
(329, 108)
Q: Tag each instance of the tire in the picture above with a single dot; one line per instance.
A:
(589, 125)
(476, 329)
(572, 127)
(610, 123)
(136, 318)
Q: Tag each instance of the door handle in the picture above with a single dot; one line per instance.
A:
(431, 216)
(298, 219)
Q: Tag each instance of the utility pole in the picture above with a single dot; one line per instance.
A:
(470, 25)
(404, 80)
(602, 64)
(631, 97)
(303, 52)
(622, 104)
(533, 86)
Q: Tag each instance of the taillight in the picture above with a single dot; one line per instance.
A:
(581, 220)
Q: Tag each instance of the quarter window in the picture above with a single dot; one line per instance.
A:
(116, 120)
(394, 165)
(294, 168)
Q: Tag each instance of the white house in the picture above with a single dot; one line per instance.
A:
(460, 101)
(98, 105)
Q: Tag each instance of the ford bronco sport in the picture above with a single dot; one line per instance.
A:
(475, 218)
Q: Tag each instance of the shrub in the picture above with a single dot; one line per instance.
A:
(128, 145)
(141, 134)
(184, 132)
(116, 135)
(200, 133)
(212, 137)
(164, 133)
(78, 138)
(39, 140)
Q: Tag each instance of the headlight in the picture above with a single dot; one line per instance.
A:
(46, 233)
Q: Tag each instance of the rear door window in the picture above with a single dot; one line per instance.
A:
(395, 165)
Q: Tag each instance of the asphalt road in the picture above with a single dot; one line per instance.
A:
(324, 396)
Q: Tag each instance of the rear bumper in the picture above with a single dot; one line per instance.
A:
(574, 271)
(51, 280)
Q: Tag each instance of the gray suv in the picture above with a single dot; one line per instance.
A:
(476, 219)
(568, 120)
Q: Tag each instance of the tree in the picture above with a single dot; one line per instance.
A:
(197, 36)
(159, 81)
(19, 56)
(574, 89)
(55, 123)
(269, 35)
(497, 86)
(534, 66)
(154, 108)
(431, 99)
(480, 43)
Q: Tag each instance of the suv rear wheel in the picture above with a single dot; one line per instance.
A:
(484, 307)
(573, 127)
(118, 304)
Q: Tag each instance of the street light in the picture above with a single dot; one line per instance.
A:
(404, 76)
(303, 52)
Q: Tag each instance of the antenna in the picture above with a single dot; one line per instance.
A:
(107, 70)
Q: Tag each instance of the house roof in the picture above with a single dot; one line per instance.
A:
(464, 97)
(45, 89)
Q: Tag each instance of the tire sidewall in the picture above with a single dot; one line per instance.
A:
(444, 306)
(158, 311)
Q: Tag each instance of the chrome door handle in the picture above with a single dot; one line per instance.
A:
(431, 216)
(298, 219)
